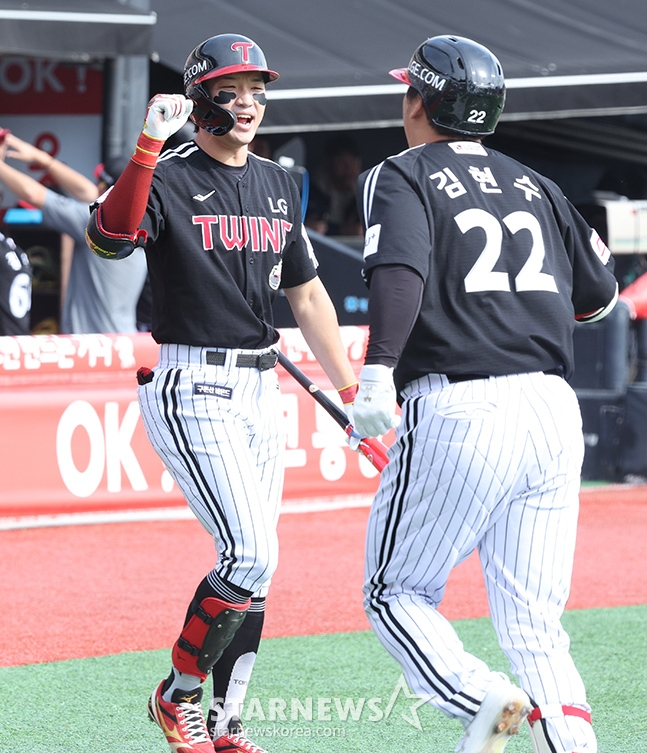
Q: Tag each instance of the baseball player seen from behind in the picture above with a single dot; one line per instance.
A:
(478, 268)
(222, 230)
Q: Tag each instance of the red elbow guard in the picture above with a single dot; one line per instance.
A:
(109, 245)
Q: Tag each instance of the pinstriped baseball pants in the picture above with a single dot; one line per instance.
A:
(492, 465)
(219, 432)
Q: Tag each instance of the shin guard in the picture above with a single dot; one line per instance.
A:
(206, 635)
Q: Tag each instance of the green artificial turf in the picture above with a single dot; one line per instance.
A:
(346, 679)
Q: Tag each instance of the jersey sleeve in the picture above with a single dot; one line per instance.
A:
(595, 288)
(299, 262)
(397, 226)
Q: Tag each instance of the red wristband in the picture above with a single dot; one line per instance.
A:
(348, 393)
(147, 150)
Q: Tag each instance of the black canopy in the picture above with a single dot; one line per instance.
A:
(561, 59)
(75, 30)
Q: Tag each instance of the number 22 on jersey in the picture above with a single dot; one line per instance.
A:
(482, 277)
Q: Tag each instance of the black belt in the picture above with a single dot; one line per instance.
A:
(453, 378)
(260, 361)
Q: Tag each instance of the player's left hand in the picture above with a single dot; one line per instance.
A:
(374, 407)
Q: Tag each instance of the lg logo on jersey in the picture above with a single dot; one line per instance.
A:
(281, 206)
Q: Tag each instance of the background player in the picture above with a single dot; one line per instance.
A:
(477, 268)
(15, 288)
(223, 231)
(96, 297)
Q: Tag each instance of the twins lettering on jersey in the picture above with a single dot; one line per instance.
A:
(239, 232)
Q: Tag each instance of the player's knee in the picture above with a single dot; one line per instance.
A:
(370, 602)
(253, 571)
(263, 568)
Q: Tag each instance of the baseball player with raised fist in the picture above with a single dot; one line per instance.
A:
(222, 231)
(478, 268)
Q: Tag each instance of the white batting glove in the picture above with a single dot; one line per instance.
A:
(374, 407)
(166, 114)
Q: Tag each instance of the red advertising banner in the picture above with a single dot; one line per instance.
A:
(72, 440)
(30, 86)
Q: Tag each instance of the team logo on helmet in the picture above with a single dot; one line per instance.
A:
(244, 50)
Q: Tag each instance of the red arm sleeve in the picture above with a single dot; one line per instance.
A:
(123, 208)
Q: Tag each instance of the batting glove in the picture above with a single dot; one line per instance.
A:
(166, 114)
(374, 407)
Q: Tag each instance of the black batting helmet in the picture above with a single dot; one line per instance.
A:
(461, 84)
(218, 56)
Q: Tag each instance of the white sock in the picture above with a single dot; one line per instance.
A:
(236, 691)
(181, 681)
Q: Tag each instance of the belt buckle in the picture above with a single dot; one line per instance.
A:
(267, 360)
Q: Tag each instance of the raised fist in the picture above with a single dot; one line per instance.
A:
(166, 114)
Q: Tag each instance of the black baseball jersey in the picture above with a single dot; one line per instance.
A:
(15, 288)
(507, 261)
(221, 242)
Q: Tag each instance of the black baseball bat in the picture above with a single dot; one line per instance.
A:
(371, 448)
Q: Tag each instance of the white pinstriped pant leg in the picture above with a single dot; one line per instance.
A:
(226, 455)
(463, 454)
(426, 518)
(527, 558)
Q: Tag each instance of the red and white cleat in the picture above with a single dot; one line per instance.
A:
(181, 720)
(235, 741)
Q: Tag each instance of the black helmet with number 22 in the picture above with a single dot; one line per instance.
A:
(218, 56)
(461, 84)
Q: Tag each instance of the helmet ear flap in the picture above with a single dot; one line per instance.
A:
(207, 114)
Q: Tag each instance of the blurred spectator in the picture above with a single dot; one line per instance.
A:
(15, 288)
(332, 206)
(98, 296)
